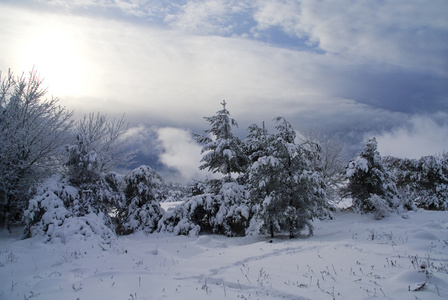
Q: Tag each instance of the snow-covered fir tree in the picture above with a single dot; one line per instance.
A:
(223, 152)
(196, 214)
(370, 184)
(233, 215)
(142, 209)
(219, 206)
(421, 182)
(284, 187)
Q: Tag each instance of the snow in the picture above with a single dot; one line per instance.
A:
(170, 205)
(352, 256)
(358, 162)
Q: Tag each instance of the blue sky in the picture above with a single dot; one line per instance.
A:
(353, 69)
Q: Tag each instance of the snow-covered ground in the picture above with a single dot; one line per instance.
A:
(350, 257)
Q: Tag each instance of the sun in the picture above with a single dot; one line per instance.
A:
(52, 51)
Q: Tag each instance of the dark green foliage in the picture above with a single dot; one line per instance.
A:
(142, 210)
(283, 185)
(368, 177)
(223, 151)
(423, 182)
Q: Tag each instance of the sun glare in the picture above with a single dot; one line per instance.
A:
(55, 55)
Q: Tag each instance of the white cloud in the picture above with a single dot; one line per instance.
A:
(142, 138)
(405, 33)
(158, 74)
(424, 135)
(205, 17)
(169, 78)
(181, 153)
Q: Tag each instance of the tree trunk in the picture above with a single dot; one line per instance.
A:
(271, 228)
(291, 234)
(7, 212)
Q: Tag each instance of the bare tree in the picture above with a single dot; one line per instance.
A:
(331, 159)
(32, 132)
(98, 147)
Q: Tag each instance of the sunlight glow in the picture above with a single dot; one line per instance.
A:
(55, 55)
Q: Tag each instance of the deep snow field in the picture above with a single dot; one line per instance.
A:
(350, 257)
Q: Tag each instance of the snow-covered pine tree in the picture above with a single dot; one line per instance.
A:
(233, 215)
(223, 152)
(142, 209)
(220, 206)
(421, 182)
(283, 185)
(53, 212)
(370, 184)
(196, 214)
(215, 207)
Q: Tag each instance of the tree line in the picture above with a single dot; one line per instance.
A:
(57, 176)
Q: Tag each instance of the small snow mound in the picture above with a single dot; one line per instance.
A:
(423, 235)
(433, 225)
(202, 240)
(207, 241)
(410, 277)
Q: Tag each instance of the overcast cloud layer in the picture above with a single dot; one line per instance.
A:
(352, 68)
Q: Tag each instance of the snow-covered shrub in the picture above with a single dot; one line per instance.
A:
(434, 180)
(33, 130)
(191, 217)
(368, 177)
(54, 211)
(142, 210)
(171, 192)
(202, 210)
(381, 207)
(233, 216)
(177, 221)
(423, 182)
(94, 194)
(224, 211)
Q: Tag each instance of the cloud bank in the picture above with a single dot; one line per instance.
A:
(350, 68)
(423, 135)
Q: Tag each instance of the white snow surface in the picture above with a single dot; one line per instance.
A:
(351, 257)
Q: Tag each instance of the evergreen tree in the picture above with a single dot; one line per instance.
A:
(232, 218)
(285, 188)
(421, 182)
(223, 151)
(370, 185)
(142, 209)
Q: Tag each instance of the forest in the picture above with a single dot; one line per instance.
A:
(58, 176)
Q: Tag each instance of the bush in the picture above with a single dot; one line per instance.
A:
(142, 210)
(191, 217)
(55, 212)
(233, 216)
